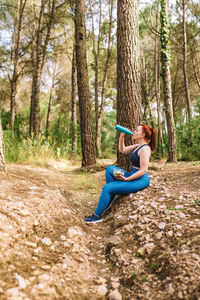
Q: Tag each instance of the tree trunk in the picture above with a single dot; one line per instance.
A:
(96, 51)
(128, 71)
(15, 74)
(87, 140)
(187, 92)
(40, 61)
(73, 103)
(157, 82)
(104, 81)
(50, 97)
(166, 76)
(2, 157)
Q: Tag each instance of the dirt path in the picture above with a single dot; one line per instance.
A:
(146, 248)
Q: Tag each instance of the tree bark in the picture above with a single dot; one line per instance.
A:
(87, 140)
(16, 58)
(128, 70)
(166, 76)
(103, 89)
(157, 83)
(50, 97)
(2, 156)
(73, 103)
(40, 61)
(187, 92)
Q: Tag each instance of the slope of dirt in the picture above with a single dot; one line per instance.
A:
(147, 247)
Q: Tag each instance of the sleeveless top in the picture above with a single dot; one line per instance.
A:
(134, 158)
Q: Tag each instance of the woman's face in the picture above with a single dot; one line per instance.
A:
(138, 133)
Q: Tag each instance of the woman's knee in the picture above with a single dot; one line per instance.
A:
(109, 170)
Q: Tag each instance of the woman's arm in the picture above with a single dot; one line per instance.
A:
(125, 149)
(144, 163)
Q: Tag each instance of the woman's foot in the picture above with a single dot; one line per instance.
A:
(93, 219)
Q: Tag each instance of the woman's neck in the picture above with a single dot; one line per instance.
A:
(142, 142)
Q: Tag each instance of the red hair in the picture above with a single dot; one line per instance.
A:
(150, 135)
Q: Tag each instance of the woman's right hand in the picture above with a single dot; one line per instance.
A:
(122, 134)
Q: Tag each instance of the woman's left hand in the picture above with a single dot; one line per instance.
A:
(121, 177)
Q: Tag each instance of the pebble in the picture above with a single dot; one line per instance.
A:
(44, 277)
(114, 240)
(46, 241)
(159, 235)
(30, 244)
(21, 281)
(115, 295)
(161, 225)
(181, 215)
(141, 251)
(170, 233)
(101, 290)
(180, 295)
(149, 247)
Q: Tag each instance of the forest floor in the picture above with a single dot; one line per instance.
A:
(147, 247)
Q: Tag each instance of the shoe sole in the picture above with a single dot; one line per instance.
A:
(93, 222)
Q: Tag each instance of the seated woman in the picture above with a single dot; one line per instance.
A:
(120, 183)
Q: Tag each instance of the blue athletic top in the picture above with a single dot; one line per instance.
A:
(134, 157)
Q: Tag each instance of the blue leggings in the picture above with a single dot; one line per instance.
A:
(118, 187)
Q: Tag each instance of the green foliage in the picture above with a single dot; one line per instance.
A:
(186, 150)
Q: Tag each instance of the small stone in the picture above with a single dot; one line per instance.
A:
(170, 233)
(149, 247)
(159, 235)
(30, 244)
(141, 251)
(180, 295)
(161, 225)
(101, 290)
(46, 241)
(142, 207)
(36, 223)
(114, 240)
(179, 234)
(115, 295)
(140, 233)
(44, 277)
(181, 215)
(13, 293)
(21, 281)
(24, 212)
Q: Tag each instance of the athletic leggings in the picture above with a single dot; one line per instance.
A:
(118, 187)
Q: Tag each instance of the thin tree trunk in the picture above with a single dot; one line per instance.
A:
(50, 98)
(73, 103)
(87, 140)
(187, 92)
(96, 50)
(104, 81)
(2, 152)
(157, 82)
(16, 54)
(166, 76)
(40, 61)
(128, 71)
(144, 89)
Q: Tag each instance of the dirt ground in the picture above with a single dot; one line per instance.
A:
(147, 247)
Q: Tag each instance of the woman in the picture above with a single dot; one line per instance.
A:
(126, 182)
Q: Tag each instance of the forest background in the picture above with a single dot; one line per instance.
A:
(37, 40)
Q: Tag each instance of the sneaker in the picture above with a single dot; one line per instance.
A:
(93, 219)
(111, 202)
